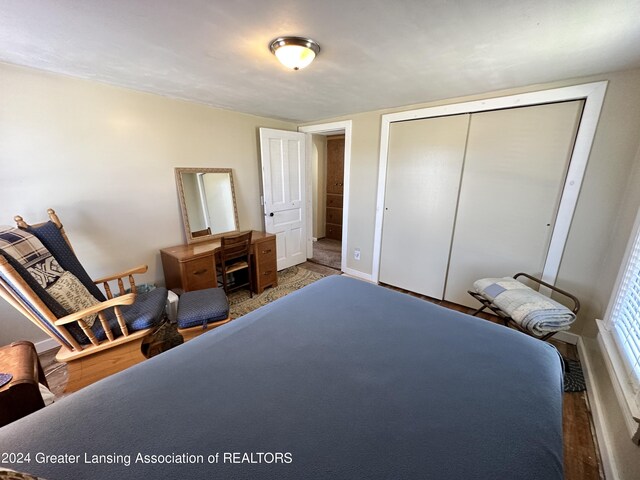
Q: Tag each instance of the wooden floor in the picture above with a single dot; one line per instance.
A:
(581, 458)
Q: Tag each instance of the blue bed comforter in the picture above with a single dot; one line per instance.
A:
(342, 379)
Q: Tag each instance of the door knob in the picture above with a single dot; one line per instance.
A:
(271, 214)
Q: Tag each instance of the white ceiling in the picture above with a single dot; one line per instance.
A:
(375, 53)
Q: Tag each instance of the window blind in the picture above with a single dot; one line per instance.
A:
(625, 316)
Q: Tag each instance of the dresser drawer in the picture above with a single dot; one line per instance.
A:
(199, 273)
(334, 215)
(265, 264)
(268, 274)
(334, 201)
(333, 231)
(265, 251)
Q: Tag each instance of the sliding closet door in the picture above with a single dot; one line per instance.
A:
(423, 175)
(514, 172)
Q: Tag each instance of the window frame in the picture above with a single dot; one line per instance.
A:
(626, 384)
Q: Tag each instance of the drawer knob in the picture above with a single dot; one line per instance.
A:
(200, 272)
(267, 273)
(266, 251)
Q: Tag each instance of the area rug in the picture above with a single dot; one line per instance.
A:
(573, 376)
(289, 280)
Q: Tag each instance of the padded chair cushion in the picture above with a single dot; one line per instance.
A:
(29, 251)
(58, 310)
(146, 312)
(73, 295)
(50, 236)
(201, 307)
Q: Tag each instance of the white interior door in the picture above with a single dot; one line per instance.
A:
(423, 176)
(514, 173)
(283, 180)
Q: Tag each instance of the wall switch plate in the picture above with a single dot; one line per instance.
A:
(356, 254)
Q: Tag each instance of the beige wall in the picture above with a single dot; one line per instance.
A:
(103, 158)
(593, 245)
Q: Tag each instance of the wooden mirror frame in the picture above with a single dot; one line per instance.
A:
(183, 206)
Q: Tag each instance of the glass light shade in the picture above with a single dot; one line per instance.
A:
(295, 56)
(295, 52)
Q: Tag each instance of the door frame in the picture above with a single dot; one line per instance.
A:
(327, 129)
(593, 96)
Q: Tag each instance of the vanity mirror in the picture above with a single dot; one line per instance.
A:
(208, 202)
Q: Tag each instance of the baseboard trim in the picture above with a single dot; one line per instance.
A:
(603, 434)
(567, 337)
(46, 345)
(359, 275)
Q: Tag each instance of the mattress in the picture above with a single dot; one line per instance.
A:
(341, 379)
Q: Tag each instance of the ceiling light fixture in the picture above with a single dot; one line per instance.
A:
(294, 52)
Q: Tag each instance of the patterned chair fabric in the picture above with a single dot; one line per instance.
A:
(57, 309)
(50, 236)
(201, 307)
(147, 311)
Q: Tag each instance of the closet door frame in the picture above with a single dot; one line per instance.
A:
(593, 96)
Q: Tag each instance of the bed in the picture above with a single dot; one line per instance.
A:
(341, 379)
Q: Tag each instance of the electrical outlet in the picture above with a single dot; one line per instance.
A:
(356, 254)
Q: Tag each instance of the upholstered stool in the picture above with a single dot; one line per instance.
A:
(201, 310)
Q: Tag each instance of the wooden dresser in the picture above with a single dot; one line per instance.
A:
(191, 267)
(335, 186)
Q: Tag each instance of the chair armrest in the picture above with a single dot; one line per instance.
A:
(127, 299)
(138, 269)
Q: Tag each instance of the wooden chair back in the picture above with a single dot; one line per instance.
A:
(235, 248)
(201, 233)
(234, 256)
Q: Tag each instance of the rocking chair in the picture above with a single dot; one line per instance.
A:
(113, 342)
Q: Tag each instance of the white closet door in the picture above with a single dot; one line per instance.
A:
(423, 176)
(514, 172)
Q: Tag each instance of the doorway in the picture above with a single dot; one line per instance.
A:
(328, 182)
(327, 172)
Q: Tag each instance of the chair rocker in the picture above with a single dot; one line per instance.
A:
(114, 341)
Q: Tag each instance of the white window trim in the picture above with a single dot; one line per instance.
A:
(614, 362)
